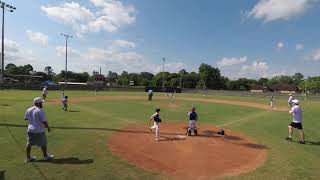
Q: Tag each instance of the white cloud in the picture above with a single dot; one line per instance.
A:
(272, 10)
(280, 45)
(314, 55)
(61, 52)
(68, 13)
(299, 46)
(123, 44)
(232, 61)
(255, 70)
(111, 15)
(14, 53)
(38, 37)
(118, 61)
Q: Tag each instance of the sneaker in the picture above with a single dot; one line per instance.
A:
(49, 157)
(288, 139)
(302, 142)
(157, 139)
(31, 159)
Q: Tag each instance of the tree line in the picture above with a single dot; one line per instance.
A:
(208, 77)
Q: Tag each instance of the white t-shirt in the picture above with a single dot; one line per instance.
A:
(44, 91)
(296, 114)
(35, 117)
(150, 91)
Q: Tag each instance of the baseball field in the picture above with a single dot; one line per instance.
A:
(107, 136)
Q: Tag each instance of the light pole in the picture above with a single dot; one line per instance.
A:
(164, 61)
(66, 70)
(8, 8)
(305, 89)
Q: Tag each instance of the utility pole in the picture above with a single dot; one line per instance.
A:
(164, 61)
(66, 66)
(8, 8)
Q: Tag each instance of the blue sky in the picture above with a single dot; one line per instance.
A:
(244, 38)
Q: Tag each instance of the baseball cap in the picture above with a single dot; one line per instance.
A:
(290, 94)
(38, 100)
(296, 101)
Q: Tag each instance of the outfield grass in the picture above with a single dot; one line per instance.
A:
(80, 139)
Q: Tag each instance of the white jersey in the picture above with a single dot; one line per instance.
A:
(150, 91)
(296, 114)
(44, 91)
(35, 117)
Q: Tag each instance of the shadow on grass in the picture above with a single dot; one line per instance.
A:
(312, 143)
(70, 160)
(255, 146)
(73, 111)
(2, 175)
(5, 105)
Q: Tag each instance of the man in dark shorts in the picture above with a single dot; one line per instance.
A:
(296, 112)
(36, 133)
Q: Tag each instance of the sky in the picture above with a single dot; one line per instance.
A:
(243, 38)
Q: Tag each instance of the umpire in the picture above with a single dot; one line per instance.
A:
(36, 134)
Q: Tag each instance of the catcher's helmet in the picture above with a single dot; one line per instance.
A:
(221, 132)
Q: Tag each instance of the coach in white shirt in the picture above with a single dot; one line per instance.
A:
(36, 133)
(296, 112)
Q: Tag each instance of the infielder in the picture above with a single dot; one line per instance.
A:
(271, 102)
(150, 93)
(156, 120)
(44, 92)
(62, 94)
(36, 133)
(65, 103)
(193, 117)
(290, 104)
(296, 112)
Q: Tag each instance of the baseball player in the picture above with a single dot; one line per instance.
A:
(37, 121)
(62, 94)
(44, 92)
(156, 120)
(271, 102)
(65, 103)
(296, 112)
(290, 104)
(150, 93)
(193, 117)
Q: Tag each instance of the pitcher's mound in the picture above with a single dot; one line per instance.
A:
(175, 154)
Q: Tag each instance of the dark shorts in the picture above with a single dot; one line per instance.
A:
(37, 139)
(296, 125)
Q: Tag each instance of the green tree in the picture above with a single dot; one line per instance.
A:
(210, 77)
